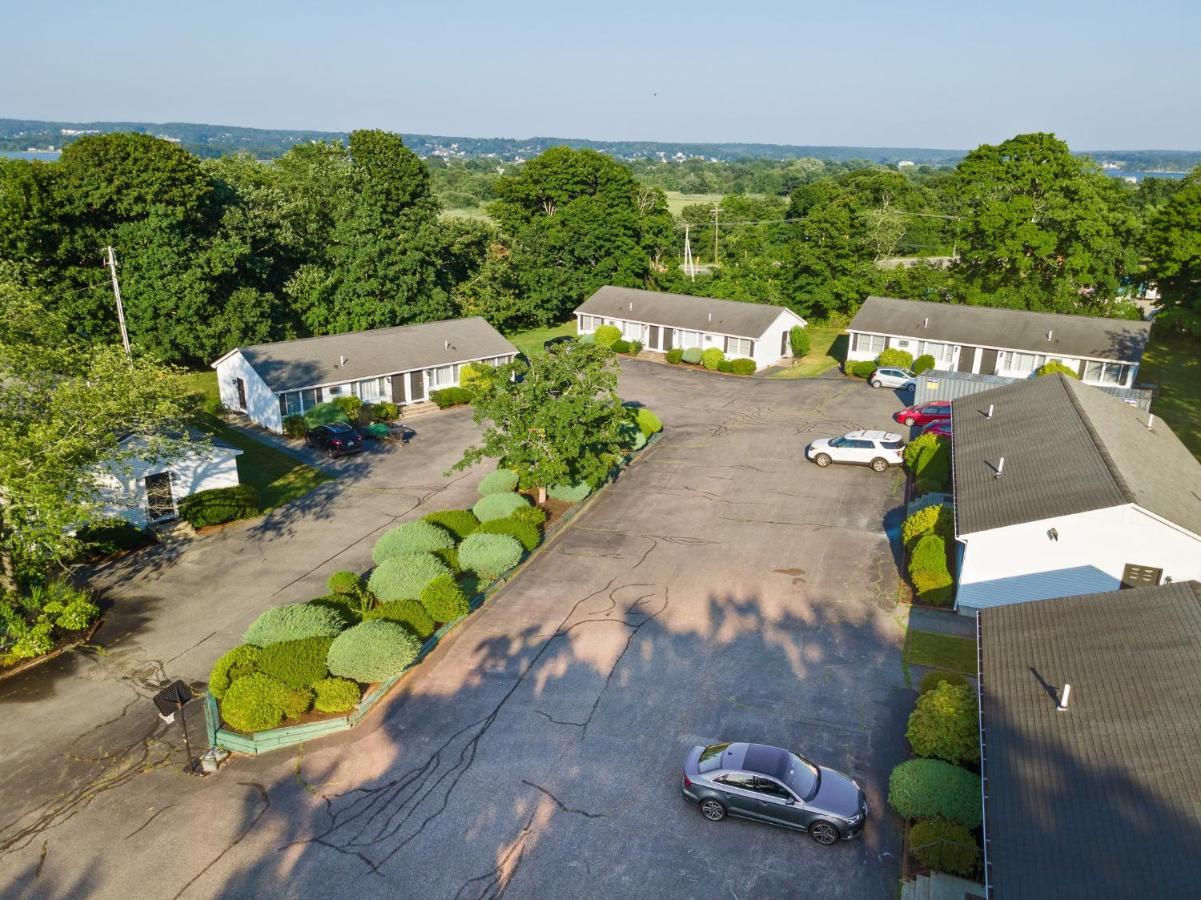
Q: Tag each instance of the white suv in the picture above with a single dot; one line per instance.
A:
(893, 378)
(878, 449)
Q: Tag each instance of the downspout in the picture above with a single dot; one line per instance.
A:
(983, 755)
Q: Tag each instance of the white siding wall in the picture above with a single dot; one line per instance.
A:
(262, 403)
(123, 489)
(767, 347)
(1020, 562)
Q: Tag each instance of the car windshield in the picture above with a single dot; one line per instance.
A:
(892, 445)
(802, 776)
(837, 442)
(711, 757)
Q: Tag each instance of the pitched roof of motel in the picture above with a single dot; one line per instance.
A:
(732, 317)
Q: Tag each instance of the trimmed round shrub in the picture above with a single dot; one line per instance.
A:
(935, 519)
(928, 457)
(569, 493)
(944, 724)
(606, 335)
(935, 677)
(344, 606)
(895, 358)
(925, 788)
(451, 396)
(374, 650)
(620, 346)
(295, 663)
(411, 537)
(944, 846)
(335, 695)
(254, 703)
(529, 536)
(293, 622)
(217, 505)
(924, 363)
(743, 366)
(295, 426)
(498, 506)
(325, 414)
(711, 357)
(502, 481)
(1055, 367)
(343, 583)
(648, 422)
(532, 515)
(444, 600)
(386, 411)
(928, 571)
(237, 663)
(351, 405)
(402, 577)
(674, 355)
(296, 702)
(726, 366)
(489, 555)
(459, 522)
(692, 356)
(861, 369)
(472, 374)
(450, 556)
(409, 613)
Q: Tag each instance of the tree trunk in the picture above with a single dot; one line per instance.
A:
(541, 494)
(8, 572)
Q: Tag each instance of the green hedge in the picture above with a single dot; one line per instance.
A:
(450, 556)
(674, 355)
(237, 663)
(343, 583)
(944, 724)
(711, 357)
(895, 358)
(692, 356)
(944, 846)
(498, 506)
(531, 515)
(606, 335)
(293, 622)
(620, 346)
(489, 555)
(386, 411)
(924, 788)
(451, 396)
(928, 571)
(411, 537)
(529, 536)
(459, 522)
(325, 414)
(569, 493)
(402, 577)
(861, 369)
(928, 457)
(726, 366)
(295, 426)
(502, 481)
(335, 695)
(648, 422)
(107, 536)
(1055, 367)
(217, 505)
(935, 519)
(935, 677)
(371, 651)
(743, 366)
(295, 663)
(258, 702)
(443, 599)
(409, 613)
(924, 363)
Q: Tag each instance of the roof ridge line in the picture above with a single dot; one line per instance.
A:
(343, 334)
(1123, 487)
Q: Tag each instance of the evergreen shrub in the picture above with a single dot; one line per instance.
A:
(107, 536)
(459, 522)
(489, 555)
(335, 695)
(230, 666)
(606, 335)
(343, 583)
(295, 426)
(401, 577)
(935, 519)
(924, 788)
(944, 846)
(295, 663)
(351, 405)
(1055, 367)
(711, 357)
(501, 481)
(498, 506)
(743, 366)
(692, 356)
(217, 505)
(569, 493)
(324, 414)
(798, 341)
(374, 650)
(409, 613)
(444, 600)
(529, 536)
(935, 677)
(726, 366)
(895, 358)
(532, 515)
(451, 396)
(924, 363)
(620, 346)
(861, 369)
(293, 622)
(257, 702)
(648, 422)
(386, 411)
(944, 724)
(411, 537)
(674, 355)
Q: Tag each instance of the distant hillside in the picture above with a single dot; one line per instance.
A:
(217, 140)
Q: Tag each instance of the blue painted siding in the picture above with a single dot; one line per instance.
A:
(1034, 586)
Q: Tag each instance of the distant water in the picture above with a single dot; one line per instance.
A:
(1139, 176)
(44, 155)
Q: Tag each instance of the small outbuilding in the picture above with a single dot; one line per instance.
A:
(402, 365)
(663, 322)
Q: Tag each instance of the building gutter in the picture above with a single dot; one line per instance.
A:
(983, 756)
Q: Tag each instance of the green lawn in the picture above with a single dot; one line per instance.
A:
(530, 342)
(827, 344)
(278, 477)
(1174, 364)
(677, 201)
(940, 651)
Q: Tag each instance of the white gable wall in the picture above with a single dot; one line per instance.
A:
(767, 348)
(1022, 562)
(123, 488)
(262, 405)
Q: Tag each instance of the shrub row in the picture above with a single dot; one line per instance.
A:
(923, 363)
(934, 519)
(928, 457)
(498, 506)
(861, 369)
(895, 358)
(217, 505)
(927, 788)
(459, 522)
(403, 575)
(944, 724)
(944, 846)
(411, 537)
(451, 396)
(928, 571)
(499, 482)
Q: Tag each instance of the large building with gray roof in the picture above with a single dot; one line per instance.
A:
(402, 365)
(1062, 489)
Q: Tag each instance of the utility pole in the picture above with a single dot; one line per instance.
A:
(111, 262)
(689, 265)
(716, 211)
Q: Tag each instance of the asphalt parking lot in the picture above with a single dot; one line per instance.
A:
(722, 588)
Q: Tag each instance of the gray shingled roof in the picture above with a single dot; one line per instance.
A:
(290, 365)
(1068, 448)
(731, 317)
(1104, 798)
(1008, 329)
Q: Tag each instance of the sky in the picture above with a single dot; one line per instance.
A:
(1100, 74)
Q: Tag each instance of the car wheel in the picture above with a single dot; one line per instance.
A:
(879, 465)
(822, 460)
(713, 810)
(877, 384)
(909, 420)
(824, 833)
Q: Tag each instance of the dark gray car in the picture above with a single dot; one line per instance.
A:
(755, 781)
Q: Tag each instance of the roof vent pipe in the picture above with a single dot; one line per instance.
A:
(926, 322)
(341, 361)
(1000, 468)
(988, 415)
(710, 317)
(1064, 697)
(1049, 333)
(631, 306)
(446, 345)
(1150, 420)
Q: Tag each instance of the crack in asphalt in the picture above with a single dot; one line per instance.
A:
(491, 884)
(148, 821)
(563, 806)
(245, 831)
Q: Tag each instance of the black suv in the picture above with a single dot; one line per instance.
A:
(337, 439)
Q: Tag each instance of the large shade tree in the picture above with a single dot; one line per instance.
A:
(1174, 255)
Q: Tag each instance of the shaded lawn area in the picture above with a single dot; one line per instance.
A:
(827, 348)
(530, 342)
(940, 651)
(1174, 364)
(278, 477)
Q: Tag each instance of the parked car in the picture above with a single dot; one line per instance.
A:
(902, 379)
(941, 427)
(878, 449)
(336, 439)
(925, 413)
(755, 781)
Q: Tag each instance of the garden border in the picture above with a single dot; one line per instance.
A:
(289, 735)
(55, 653)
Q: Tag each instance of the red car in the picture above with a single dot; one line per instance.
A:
(931, 411)
(941, 427)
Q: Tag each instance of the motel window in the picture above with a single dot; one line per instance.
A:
(869, 343)
(588, 323)
(941, 352)
(443, 376)
(371, 389)
(1020, 363)
(736, 347)
(289, 404)
(1106, 373)
(309, 398)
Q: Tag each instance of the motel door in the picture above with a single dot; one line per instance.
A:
(652, 340)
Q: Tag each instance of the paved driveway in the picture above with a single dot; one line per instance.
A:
(722, 588)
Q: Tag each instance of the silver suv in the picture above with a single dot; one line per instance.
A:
(893, 378)
(878, 449)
